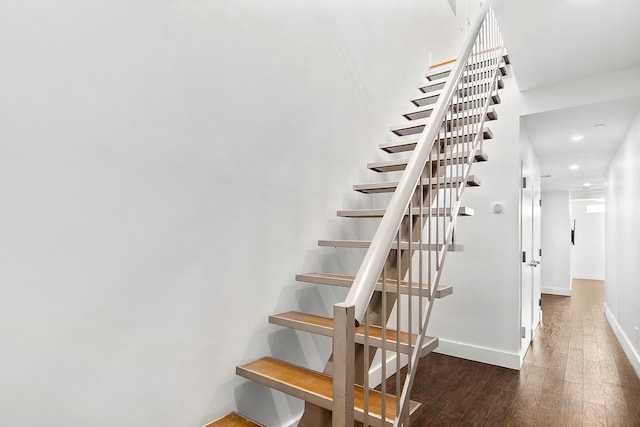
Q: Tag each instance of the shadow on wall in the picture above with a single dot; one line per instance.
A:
(300, 348)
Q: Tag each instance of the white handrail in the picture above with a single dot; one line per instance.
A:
(367, 277)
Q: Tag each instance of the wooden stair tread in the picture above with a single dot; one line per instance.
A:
(439, 84)
(401, 164)
(346, 281)
(233, 420)
(315, 388)
(461, 116)
(409, 143)
(431, 98)
(364, 244)
(324, 326)
(427, 110)
(378, 213)
(390, 186)
(432, 86)
(417, 126)
(442, 72)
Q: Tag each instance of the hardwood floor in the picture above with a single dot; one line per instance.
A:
(575, 374)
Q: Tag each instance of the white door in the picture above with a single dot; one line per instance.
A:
(531, 255)
(536, 256)
(526, 281)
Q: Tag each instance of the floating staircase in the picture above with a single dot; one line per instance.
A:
(447, 132)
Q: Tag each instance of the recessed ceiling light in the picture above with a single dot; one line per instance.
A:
(577, 137)
(574, 167)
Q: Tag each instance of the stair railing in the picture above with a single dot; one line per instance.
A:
(413, 239)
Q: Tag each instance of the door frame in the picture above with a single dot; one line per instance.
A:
(531, 259)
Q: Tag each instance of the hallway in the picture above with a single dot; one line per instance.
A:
(575, 374)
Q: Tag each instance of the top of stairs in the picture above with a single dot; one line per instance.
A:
(443, 71)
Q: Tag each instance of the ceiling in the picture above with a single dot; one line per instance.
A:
(551, 41)
(551, 134)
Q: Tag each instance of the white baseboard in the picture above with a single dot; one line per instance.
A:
(556, 291)
(480, 354)
(624, 340)
(588, 276)
(455, 349)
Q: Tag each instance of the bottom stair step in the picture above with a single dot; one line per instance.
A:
(233, 420)
(316, 388)
(324, 326)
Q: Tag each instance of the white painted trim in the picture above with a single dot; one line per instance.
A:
(588, 276)
(455, 349)
(480, 354)
(624, 340)
(523, 352)
(556, 291)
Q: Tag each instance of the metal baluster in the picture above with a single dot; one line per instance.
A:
(437, 200)
(398, 322)
(420, 242)
(365, 373)
(383, 353)
(430, 222)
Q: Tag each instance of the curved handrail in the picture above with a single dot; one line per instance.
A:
(366, 279)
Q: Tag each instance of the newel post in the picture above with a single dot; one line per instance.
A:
(344, 332)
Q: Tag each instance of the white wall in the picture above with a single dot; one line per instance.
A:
(486, 277)
(556, 243)
(166, 168)
(529, 158)
(587, 255)
(622, 293)
(480, 321)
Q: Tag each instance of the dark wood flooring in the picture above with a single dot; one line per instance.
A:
(575, 374)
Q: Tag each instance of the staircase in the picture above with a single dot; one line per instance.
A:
(381, 326)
